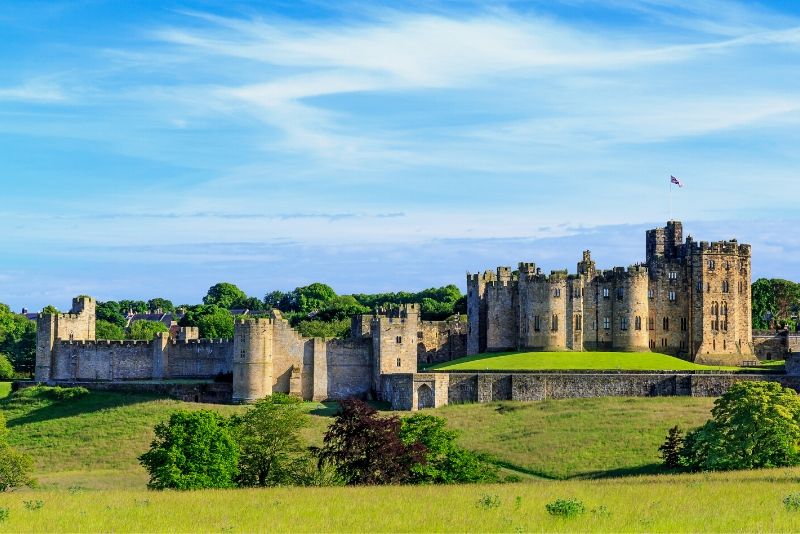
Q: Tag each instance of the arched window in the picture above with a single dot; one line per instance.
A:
(637, 323)
(425, 397)
(555, 323)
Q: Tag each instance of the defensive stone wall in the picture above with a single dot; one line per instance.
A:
(441, 341)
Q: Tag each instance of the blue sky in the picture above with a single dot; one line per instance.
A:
(155, 148)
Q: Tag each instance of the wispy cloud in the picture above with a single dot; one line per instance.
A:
(38, 91)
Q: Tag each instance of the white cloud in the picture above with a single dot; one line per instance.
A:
(33, 91)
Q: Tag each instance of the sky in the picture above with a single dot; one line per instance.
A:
(155, 148)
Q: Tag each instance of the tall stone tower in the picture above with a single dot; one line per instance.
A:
(394, 343)
(252, 359)
(77, 325)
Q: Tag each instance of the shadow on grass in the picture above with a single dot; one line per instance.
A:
(331, 408)
(646, 469)
(25, 410)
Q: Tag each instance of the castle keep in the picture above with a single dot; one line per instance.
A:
(690, 299)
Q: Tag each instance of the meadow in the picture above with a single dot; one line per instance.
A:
(598, 450)
(562, 361)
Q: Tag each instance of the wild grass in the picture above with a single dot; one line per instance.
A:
(732, 502)
(559, 361)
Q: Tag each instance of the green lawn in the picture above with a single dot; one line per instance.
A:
(629, 361)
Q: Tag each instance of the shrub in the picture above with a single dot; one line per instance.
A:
(565, 508)
(366, 449)
(6, 369)
(792, 502)
(487, 501)
(4, 513)
(34, 505)
(56, 393)
(15, 468)
(445, 462)
(671, 448)
(192, 450)
(754, 424)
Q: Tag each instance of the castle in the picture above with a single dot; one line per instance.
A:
(688, 299)
(266, 355)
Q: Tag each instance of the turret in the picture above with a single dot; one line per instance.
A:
(252, 359)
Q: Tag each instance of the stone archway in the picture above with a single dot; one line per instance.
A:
(425, 397)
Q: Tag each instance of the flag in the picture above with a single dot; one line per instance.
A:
(675, 181)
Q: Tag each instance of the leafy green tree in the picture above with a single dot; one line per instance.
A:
(136, 306)
(15, 466)
(143, 329)
(6, 369)
(670, 450)
(214, 322)
(106, 330)
(111, 312)
(165, 305)
(754, 424)
(272, 451)
(225, 295)
(18, 339)
(275, 300)
(340, 329)
(193, 450)
(310, 298)
(445, 461)
(50, 309)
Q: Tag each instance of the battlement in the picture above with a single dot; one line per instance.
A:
(255, 321)
(104, 342)
(636, 270)
(719, 247)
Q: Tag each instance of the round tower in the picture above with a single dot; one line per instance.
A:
(631, 311)
(252, 360)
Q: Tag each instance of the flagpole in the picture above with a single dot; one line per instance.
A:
(670, 198)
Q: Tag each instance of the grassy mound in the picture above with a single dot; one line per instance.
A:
(529, 361)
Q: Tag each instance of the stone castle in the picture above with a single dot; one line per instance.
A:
(266, 355)
(688, 299)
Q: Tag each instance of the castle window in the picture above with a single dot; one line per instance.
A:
(711, 264)
(620, 293)
(699, 287)
(665, 323)
(672, 296)
(684, 324)
(727, 265)
(651, 324)
(578, 321)
(606, 323)
(725, 286)
(651, 293)
(663, 342)
(241, 354)
(605, 292)
(724, 308)
(623, 323)
(725, 325)
(420, 335)
(399, 339)
(555, 323)
(673, 275)
(536, 324)
(724, 344)
(594, 325)
(557, 292)
(637, 323)
(398, 362)
(714, 308)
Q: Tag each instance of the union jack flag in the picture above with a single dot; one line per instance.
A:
(675, 181)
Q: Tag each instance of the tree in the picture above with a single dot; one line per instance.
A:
(50, 309)
(214, 322)
(310, 298)
(106, 330)
(6, 369)
(271, 450)
(366, 449)
(224, 295)
(274, 300)
(340, 329)
(18, 339)
(670, 450)
(754, 424)
(164, 305)
(193, 450)
(143, 329)
(113, 313)
(135, 306)
(445, 462)
(15, 466)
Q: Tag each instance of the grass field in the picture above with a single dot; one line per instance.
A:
(738, 502)
(629, 361)
(86, 450)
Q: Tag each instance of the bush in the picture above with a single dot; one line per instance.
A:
(6, 369)
(445, 462)
(488, 502)
(56, 393)
(565, 508)
(15, 468)
(754, 424)
(4, 513)
(792, 502)
(193, 450)
(671, 448)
